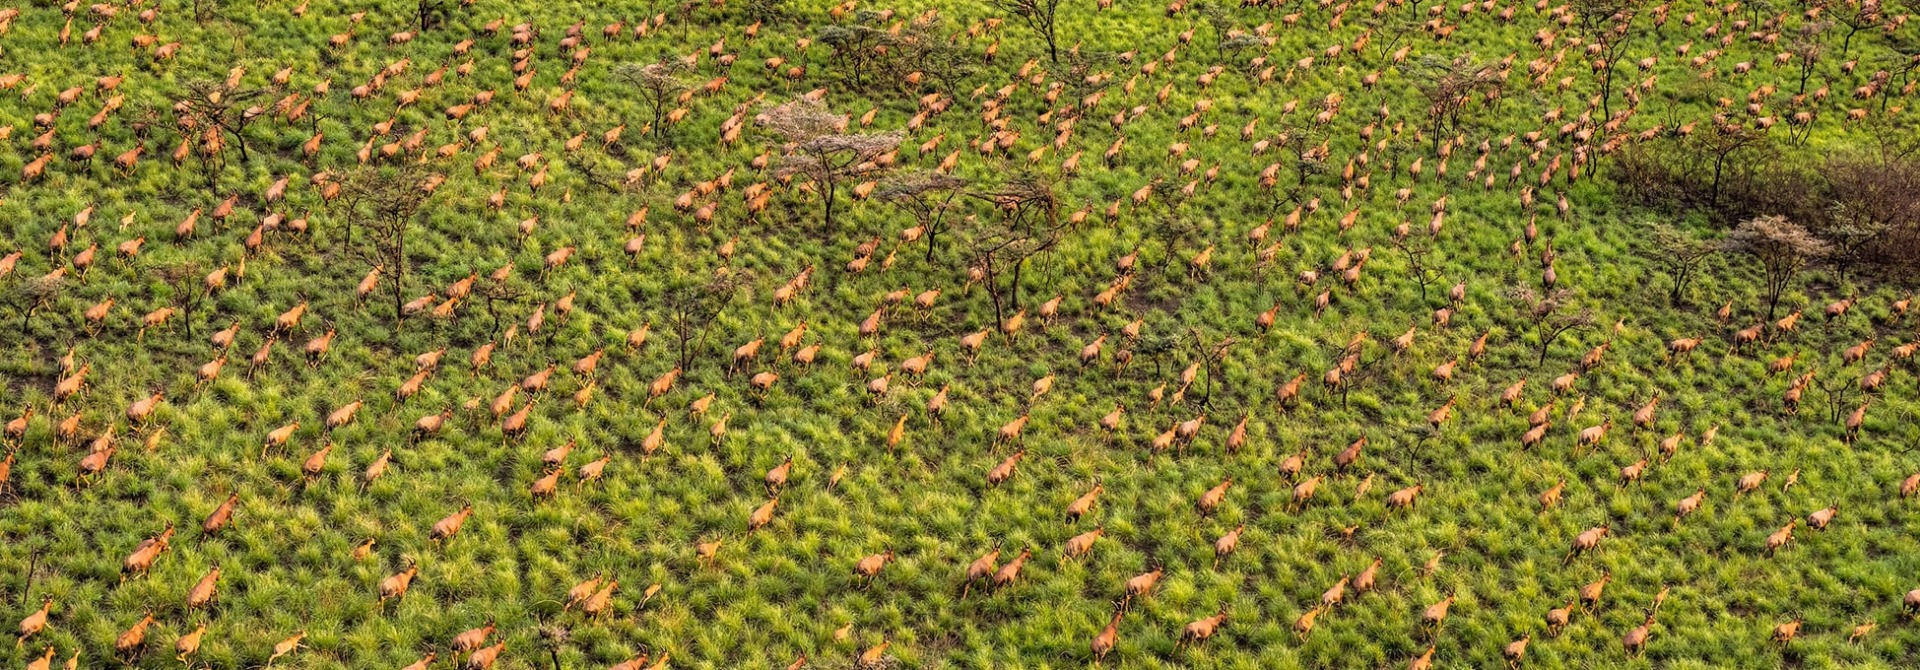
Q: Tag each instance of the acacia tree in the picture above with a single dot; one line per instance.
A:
(1782, 247)
(386, 202)
(1448, 86)
(1550, 315)
(1856, 15)
(180, 278)
(1606, 23)
(1419, 254)
(693, 304)
(1308, 144)
(1680, 257)
(1721, 145)
(431, 13)
(927, 197)
(818, 146)
(924, 49)
(659, 85)
(856, 48)
(32, 295)
(1805, 50)
(211, 113)
(1042, 16)
(999, 247)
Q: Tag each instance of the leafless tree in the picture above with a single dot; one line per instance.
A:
(818, 146)
(1550, 314)
(1607, 26)
(659, 85)
(928, 197)
(1214, 355)
(431, 13)
(1448, 86)
(1680, 256)
(386, 202)
(1782, 247)
(180, 278)
(1856, 15)
(1042, 16)
(1029, 224)
(1721, 145)
(694, 303)
(1419, 254)
(211, 114)
(1806, 48)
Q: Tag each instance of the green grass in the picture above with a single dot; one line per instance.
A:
(785, 589)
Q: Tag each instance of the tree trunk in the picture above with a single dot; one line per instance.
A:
(1713, 197)
(399, 277)
(827, 193)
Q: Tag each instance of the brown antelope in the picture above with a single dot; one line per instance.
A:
(1424, 661)
(1822, 517)
(1861, 631)
(1364, 581)
(980, 569)
(396, 585)
(1781, 537)
(1557, 619)
(1551, 496)
(1080, 506)
(1140, 585)
(141, 560)
(1214, 496)
(1784, 633)
(221, 516)
(1516, 650)
(1004, 471)
(1108, 638)
(868, 569)
(763, 514)
(1225, 546)
(1636, 639)
(135, 637)
(1593, 435)
(448, 526)
(1405, 498)
(1590, 594)
(1349, 456)
(1203, 629)
(36, 621)
(484, 658)
(1586, 541)
(1011, 571)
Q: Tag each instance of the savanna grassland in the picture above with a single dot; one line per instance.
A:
(737, 334)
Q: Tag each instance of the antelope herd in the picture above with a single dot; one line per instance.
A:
(1009, 396)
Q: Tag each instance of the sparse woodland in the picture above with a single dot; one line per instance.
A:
(997, 334)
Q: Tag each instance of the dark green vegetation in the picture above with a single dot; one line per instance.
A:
(1225, 199)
